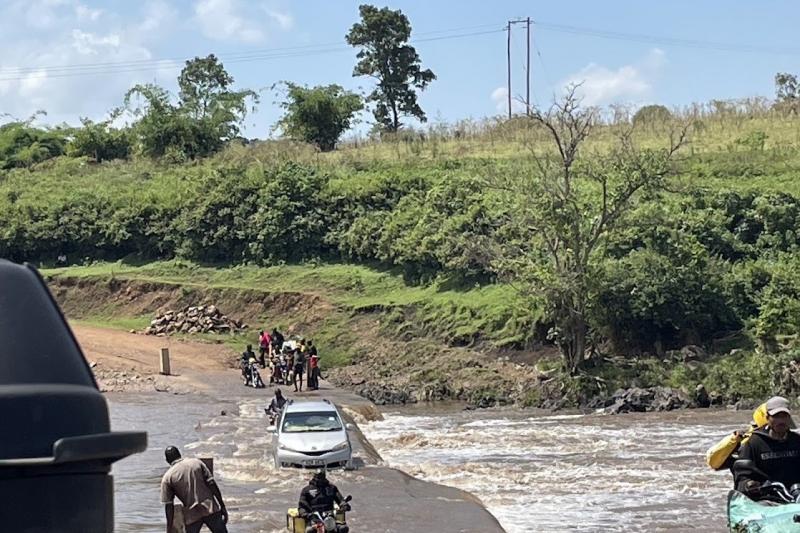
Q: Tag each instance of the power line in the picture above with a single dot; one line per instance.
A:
(113, 67)
(663, 40)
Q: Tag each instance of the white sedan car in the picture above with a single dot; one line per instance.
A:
(311, 434)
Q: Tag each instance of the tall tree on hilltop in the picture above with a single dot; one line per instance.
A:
(205, 95)
(382, 35)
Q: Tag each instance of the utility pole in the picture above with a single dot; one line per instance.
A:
(509, 68)
(528, 72)
(526, 21)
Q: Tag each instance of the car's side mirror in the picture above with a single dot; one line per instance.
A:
(349, 426)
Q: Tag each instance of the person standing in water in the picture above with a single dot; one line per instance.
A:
(192, 483)
(299, 368)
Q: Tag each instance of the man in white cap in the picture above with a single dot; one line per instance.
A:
(774, 450)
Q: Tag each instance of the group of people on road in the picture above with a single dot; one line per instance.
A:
(288, 361)
(304, 359)
(767, 450)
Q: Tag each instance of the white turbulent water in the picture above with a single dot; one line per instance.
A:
(569, 472)
(541, 472)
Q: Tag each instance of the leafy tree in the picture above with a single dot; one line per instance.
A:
(23, 145)
(202, 82)
(207, 115)
(385, 55)
(787, 92)
(99, 141)
(291, 220)
(786, 87)
(652, 114)
(318, 115)
(571, 204)
(206, 96)
(161, 126)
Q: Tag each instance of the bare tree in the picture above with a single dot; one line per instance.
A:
(569, 203)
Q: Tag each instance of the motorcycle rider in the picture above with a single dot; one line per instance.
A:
(244, 363)
(774, 450)
(275, 406)
(319, 496)
(277, 340)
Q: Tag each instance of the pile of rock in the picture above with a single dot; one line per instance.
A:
(638, 400)
(194, 319)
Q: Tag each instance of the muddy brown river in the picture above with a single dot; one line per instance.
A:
(533, 471)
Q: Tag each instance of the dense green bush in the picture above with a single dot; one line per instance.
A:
(651, 300)
(100, 142)
(22, 145)
(687, 266)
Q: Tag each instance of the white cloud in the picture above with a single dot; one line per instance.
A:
(47, 14)
(56, 54)
(239, 20)
(38, 64)
(158, 14)
(223, 20)
(655, 59)
(600, 85)
(92, 44)
(86, 13)
(284, 20)
(500, 98)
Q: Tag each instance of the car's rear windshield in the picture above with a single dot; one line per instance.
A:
(311, 421)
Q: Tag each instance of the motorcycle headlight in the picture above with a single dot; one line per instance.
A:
(341, 446)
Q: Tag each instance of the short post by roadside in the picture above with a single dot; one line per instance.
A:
(164, 367)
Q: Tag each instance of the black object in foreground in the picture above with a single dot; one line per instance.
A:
(56, 447)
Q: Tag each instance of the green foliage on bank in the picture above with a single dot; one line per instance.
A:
(392, 229)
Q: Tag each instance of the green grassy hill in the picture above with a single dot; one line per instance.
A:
(405, 228)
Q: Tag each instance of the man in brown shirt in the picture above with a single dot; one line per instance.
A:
(191, 481)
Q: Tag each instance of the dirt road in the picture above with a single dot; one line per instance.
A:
(123, 361)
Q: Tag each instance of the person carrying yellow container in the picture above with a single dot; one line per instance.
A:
(724, 453)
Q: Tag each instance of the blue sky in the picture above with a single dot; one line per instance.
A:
(53, 50)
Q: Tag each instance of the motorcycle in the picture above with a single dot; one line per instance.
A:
(333, 521)
(272, 416)
(254, 376)
(280, 371)
(776, 510)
